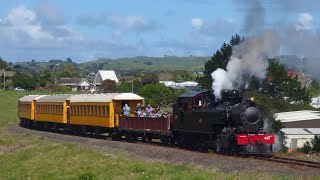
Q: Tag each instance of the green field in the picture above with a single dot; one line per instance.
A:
(30, 157)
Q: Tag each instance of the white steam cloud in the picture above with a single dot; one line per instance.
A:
(249, 58)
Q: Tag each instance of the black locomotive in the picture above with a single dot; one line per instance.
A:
(231, 124)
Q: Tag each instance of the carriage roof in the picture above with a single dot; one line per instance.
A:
(30, 98)
(54, 98)
(108, 97)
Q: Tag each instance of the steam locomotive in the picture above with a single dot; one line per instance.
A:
(232, 124)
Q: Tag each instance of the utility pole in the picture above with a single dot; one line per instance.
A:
(131, 86)
(4, 79)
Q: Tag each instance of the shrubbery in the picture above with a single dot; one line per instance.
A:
(307, 148)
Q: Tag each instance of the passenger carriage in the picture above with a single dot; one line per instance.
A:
(26, 110)
(99, 113)
(51, 110)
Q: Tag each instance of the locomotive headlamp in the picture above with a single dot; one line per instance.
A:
(252, 99)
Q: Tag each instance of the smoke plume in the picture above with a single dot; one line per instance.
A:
(295, 31)
(248, 59)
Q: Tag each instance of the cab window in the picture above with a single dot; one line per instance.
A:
(198, 101)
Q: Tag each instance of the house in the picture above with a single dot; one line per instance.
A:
(103, 75)
(75, 84)
(299, 127)
(315, 102)
(198, 74)
(8, 74)
(168, 83)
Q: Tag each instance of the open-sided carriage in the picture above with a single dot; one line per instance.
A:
(147, 128)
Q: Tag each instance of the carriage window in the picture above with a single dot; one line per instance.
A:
(103, 112)
(99, 110)
(107, 110)
(85, 110)
(94, 109)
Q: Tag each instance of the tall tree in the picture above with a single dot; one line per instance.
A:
(24, 81)
(108, 86)
(149, 78)
(219, 59)
(124, 87)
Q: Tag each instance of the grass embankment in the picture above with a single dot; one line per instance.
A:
(29, 157)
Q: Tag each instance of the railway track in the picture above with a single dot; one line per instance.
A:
(292, 161)
(273, 158)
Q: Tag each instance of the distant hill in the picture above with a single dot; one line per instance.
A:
(143, 63)
(122, 66)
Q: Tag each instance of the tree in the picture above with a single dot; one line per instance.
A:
(108, 86)
(219, 59)
(124, 87)
(279, 85)
(24, 81)
(314, 89)
(157, 94)
(4, 65)
(181, 75)
(69, 60)
(68, 70)
(149, 78)
(316, 143)
(306, 148)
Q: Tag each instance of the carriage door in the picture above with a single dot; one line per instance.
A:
(68, 111)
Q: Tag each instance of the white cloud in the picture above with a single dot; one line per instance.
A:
(22, 28)
(305, 21)
(197, 23)
(24, 22)
(127, 22)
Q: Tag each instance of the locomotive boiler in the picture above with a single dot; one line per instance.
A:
(232, 124)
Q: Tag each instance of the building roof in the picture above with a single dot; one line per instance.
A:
(108, 74)
(293, 116)
(188, 83)
(103, 97)
(71, 81)
(54, 98)
(8, 73)
(301, 131)
(30, 98)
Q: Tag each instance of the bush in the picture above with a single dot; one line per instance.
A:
(53, 88)
(159, 94)
(316, 143)
(306, 149)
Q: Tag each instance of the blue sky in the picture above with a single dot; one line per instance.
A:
(87, 30)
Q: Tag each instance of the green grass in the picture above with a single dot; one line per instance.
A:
(8, 105)
(48, 160)
(30, 157)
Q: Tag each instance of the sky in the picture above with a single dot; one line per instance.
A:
(87, 30)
